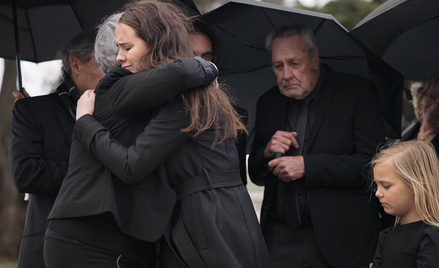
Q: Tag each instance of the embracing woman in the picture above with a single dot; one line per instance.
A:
(187, 144)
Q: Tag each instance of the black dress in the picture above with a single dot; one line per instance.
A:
(412, 245)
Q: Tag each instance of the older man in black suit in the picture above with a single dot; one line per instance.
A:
(316, 211)
(40, 142)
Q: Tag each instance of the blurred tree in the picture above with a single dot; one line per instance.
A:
(347, 12)
(12, 206)
(207, 5)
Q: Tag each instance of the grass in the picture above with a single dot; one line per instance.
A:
(7, 263)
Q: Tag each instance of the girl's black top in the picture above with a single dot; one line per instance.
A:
(412, 245)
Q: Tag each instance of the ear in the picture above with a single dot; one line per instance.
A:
(74, 65)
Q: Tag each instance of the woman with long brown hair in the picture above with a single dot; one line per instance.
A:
(99, 220)
(192, 138)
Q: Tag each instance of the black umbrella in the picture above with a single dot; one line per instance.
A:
(41, 27)
(241, 27)
(405, 34)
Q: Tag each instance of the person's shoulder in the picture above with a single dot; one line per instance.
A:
(38, 106)
(386, 231)
(270, 97)
(112, 77)
(430, 240)
(431, 231)
(38, 101)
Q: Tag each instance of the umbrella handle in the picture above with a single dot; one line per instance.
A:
(17, 47)
(277, 155)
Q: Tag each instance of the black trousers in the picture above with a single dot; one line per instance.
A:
(63, 252)
(294, 248)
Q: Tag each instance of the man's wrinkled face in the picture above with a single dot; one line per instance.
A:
(296, 74)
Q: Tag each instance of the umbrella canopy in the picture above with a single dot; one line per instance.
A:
(44, 26)
(241, 27)
(41, 27)
(404, 33)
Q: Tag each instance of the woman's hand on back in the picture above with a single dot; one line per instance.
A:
(86, 104)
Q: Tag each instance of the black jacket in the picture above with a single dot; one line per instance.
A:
(219, 219)
(140, 208)
(39, 149)
(344, 136)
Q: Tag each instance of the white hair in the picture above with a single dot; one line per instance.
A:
(105, 46)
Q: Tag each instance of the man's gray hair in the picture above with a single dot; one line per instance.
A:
(105, 47)
(81, 47)
(290, 29)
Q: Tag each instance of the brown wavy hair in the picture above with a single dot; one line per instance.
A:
(165, 29)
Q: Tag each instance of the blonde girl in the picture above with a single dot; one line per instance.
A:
(407, 184)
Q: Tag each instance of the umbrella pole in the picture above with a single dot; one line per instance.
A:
(17, 47)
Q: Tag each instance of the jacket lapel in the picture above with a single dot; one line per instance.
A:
(328, 91)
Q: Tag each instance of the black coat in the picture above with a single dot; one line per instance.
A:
(220, 220)
(344, 136)
(141, 208)
(39, 149)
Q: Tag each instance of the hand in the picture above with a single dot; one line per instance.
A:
(280, 143)
(86, 104)
(18, 95)
(288, 168)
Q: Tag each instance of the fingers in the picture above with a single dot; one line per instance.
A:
(17, 95)
(280, 143)
(86, 104)
(287, 168)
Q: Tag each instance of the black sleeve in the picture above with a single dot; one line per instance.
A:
(160, 138)
(31, 171)
(428, 255)
(378, 258)
(145, 90)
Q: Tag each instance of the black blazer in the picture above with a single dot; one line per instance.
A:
(41, 131)
(141, 208)
(345, 134)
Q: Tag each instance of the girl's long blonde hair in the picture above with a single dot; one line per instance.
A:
(416, 164)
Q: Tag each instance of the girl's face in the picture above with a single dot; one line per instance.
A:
(396, 197)
(132, 49)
